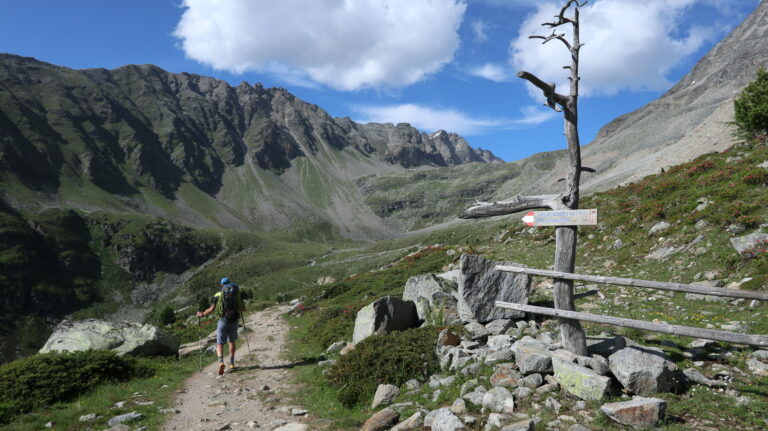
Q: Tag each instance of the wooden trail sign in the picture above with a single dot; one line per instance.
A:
(586, 217)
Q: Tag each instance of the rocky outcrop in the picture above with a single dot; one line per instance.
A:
(480, 285)
(123, 338)
(643, 370)
(384, 315)
(433, 295)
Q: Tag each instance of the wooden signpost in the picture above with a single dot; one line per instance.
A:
(586, 217)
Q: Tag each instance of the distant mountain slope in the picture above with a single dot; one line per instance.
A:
(688, 120)
(193, 148)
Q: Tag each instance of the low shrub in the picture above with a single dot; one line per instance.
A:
(392, 358)
(751, 107)
(44, 379)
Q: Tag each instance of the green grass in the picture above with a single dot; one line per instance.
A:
(168, 376)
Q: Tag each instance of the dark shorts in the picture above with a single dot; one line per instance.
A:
(226, 330)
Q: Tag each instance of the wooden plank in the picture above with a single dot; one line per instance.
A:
(660, 285)
(664, 328)
(585, 217)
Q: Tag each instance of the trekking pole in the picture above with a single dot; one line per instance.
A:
(246, 333)
(200, 333)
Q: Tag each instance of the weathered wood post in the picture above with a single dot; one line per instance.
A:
(572, 333)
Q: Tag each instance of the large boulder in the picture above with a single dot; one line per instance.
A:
(580, 381)
(480, 285)
(383, 316)
(123, 338)
(643, 370)
(433, 294)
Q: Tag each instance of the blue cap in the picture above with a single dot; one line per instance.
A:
(225, 280)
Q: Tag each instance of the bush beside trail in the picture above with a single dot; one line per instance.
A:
(44, 379)
(392, 358)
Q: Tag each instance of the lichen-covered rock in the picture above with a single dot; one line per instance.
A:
(638, 413)
(123, 338)
(481, 285)
(643, 370)
(505, 375)
(383, 316)
(580, 381)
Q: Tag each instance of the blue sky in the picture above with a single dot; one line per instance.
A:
(437, 64)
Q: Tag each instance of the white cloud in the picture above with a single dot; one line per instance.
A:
(433, 119)
(630, 45)
(492, 72)
(428, 119)
(478, 29)
(345, 44)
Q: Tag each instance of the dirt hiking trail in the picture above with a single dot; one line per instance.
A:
(254, 396)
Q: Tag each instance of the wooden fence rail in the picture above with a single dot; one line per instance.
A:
(665, 328)
(676, 287)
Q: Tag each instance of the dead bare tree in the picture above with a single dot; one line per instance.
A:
(572, 333)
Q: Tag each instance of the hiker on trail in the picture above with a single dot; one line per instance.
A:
(229, 306)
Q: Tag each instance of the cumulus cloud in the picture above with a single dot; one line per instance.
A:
(532, 116)
(492, 72)
(630, 45)
(345, 44)
(428, 119)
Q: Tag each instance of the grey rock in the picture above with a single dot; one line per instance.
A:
(760, 355)
(381, 420)
(413, 422)
(701, 343)
(383, 316)
(476, 331)
(480, 285)
(495, 420)
(337, 346)
(695, 376)
(580, 381)
(412, 384)
(447, 338)
(531, 381)
(293, 426)
(617, 245)
(443, 419)
(326, 363)
(298, 412)
(638, 413)
(659, 227)
(505, 375)
(459, 406)
(499, 400)
(474, 397)
(744, 243)
(125, 418)
(553, 405)
(468, 386)
(524, 425)
(472, 369)
(757, 367)
(549, 387)
(499, 326)
(438, 380)
(578, 427)
(384, 395)
(532, 356)
(89, 417)
(599, 364)
(643, 370)
(123, 338)
(700, 225)
(498, 342)
(522, 393)
(662, 253)
(499, 356)
(439, 296)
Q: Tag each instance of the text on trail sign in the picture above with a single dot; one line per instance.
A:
(587, 217)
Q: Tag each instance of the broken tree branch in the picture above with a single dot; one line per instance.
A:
(553, 98)
(511, 206)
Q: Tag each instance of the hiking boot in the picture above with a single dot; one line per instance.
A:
(231, 367)
(221, 368)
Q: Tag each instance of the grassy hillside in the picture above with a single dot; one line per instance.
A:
(737, 190)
